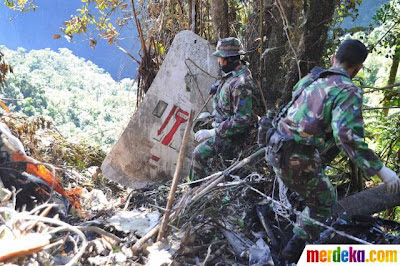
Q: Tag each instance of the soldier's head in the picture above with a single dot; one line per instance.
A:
(351, 56)
(228, 52)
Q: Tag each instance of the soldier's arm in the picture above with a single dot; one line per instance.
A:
(301, 82)
(242, 104)
(348, 130)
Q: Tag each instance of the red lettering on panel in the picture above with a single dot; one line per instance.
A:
(180, 117)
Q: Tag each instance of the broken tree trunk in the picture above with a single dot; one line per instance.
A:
(367, 202)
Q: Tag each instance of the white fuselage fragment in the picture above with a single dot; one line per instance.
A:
(147, 151)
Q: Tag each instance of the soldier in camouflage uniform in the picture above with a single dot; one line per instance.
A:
(233, 105)
(324, 111)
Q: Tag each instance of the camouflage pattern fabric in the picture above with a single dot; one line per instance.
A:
(329, 111)
(233, 103)
(233, 116)
(227, 47)
(331, 106)
(304, 173)
(206, 150)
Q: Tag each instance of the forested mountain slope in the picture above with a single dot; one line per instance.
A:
(84, 101)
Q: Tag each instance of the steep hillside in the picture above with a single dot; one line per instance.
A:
(84, 101)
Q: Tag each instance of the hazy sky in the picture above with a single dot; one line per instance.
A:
(35, 30)
(367, 10)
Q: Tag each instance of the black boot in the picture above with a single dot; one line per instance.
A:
(292, 252)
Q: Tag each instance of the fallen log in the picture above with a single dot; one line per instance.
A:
(366, 202)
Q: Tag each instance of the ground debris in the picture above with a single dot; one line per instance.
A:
(260, 254)
(23, 245)
(220, 228)
(225, 220)
(138, 222)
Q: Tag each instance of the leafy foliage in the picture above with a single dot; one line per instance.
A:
(95, 15)
(4, 69)
(83, 100)
(387, 18)
(382, 125)
(21, 5)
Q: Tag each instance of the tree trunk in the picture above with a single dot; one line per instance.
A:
(319, 14)
(392, 78)
(294, 35)
(220, 19)
(193, 16)
(367, 202)
(395, 66)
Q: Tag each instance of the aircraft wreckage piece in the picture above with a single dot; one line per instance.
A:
(147, 151)
(366, 202)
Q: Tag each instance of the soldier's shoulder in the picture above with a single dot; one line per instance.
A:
(244, 79)
(346, 84)
(347, 89)
(351, 88)
(339, 82)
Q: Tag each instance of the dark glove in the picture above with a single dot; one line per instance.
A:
(214, 88)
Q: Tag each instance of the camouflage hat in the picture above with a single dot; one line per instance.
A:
(227, 47)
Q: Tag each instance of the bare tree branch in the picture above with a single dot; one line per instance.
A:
(382, 88)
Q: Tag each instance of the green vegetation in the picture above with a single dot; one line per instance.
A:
(84, 101)
(380, 79)
(381, 69)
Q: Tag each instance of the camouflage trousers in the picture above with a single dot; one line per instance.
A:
(205, 151)
(305, 174)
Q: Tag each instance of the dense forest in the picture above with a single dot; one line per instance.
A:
(85, 103)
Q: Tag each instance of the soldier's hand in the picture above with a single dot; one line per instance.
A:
(214, 88)
(204, 134)
(391, 180)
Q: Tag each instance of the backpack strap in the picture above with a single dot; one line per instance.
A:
(315, 74)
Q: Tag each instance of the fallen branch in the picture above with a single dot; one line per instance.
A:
(208, 255)
(202, 70)
(175, 180)
(378, 108)
(297, 213)
(138, 245)
(366, 202)
(128, 54)
(206, 188)
(382, 88)
(201, 180)
(194, 195)
(100, 232)
(267, 227)
(204, 105)
(62, 227)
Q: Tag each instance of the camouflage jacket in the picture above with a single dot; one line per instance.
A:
(330, 111)
(233, 102)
